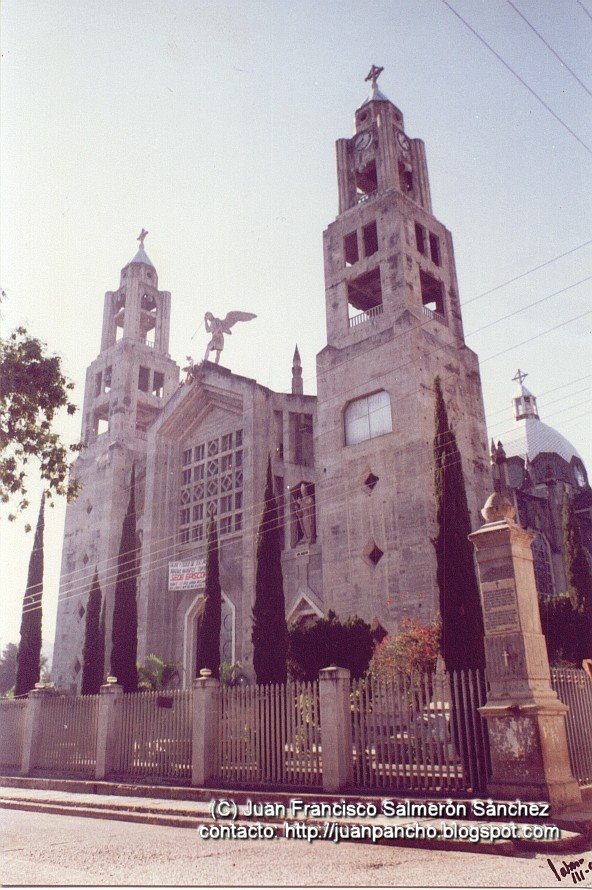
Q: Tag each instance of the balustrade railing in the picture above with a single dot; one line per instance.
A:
(368, 315)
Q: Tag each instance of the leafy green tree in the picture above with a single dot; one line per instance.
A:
(32, 389)
(269, 633)
(93, 653)
(460, 606)
(29, 650)
(329, 641)
(208, 638)
(125, 608)
(414, 649)
(155, 674)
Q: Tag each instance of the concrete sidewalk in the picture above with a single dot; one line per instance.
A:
(241, 814)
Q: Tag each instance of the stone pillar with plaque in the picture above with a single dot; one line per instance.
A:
(525, 719)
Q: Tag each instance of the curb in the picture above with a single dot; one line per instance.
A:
(185, 818)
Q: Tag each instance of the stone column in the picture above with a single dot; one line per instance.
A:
(336, 728)
(33, 728)
(525, 719)
(108, 727)
(206, 694)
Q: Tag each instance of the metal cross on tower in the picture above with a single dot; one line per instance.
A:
(374, 74)
(520, 376)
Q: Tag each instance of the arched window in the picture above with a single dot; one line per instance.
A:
(543, 570)
(368, 417)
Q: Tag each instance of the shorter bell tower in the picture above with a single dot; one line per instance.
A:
(126, 387)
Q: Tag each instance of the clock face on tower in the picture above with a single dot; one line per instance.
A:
(363, 141)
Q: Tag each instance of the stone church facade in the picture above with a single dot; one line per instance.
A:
(352, 466)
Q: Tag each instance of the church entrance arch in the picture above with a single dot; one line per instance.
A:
(193, 617)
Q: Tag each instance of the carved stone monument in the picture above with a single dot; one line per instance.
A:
(525, 719)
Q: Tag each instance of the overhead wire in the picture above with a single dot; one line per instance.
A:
(549, 47)
(518, 77)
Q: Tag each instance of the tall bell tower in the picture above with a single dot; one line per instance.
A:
(126, 387)
(393, 324)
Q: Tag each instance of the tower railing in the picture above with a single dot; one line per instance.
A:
(431, 313)
(366, 316)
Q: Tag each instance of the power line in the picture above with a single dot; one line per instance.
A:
(585, 9)
(529, 306)
(517, 76)
(536, 336)
(524, 274)
(545, 392)
(546, 404)
(549, 47)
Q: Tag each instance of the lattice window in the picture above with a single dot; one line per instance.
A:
(210, 467)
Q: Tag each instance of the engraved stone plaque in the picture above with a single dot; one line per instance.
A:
(500, 606)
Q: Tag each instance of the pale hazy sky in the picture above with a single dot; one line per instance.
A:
(212, 124)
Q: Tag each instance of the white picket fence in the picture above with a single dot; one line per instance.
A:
(270, 735)
(154, 736)
(574, 688)
(420, 733)
(12, 717)
(69, 730)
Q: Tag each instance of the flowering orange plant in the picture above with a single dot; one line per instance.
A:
(414, 649)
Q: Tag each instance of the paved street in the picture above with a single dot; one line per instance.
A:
(41, 849)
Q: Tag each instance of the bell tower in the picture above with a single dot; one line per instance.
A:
(126, 387)
(393, 325)
(133, 374)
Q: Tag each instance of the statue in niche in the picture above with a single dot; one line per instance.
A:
(305, 514)
(217, 327)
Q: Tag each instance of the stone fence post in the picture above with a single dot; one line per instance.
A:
(108, 727)
(336, 728)
(33, 728)
(525, 719)
(206, 695)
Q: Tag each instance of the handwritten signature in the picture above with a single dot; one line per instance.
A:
(577, 869)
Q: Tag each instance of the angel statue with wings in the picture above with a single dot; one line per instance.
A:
(217, 327)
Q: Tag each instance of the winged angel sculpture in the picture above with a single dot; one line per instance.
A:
(217, 327)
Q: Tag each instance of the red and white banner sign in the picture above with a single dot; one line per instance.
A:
(187, 574)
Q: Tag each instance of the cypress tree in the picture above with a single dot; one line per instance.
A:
(270, 633)
(29, 650)
(578, 572)
(125, 608)
(93, 653)
(460, 606)
(208, 639)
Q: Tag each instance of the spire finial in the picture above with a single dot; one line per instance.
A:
(374, 74)
(141, 237)
(520, 376)
(297, 388)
